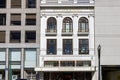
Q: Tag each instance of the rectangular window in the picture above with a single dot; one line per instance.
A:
(2, 58)
(30, 57)
(51, 46)
(15, 55)
(2, 19)
(15, 19)
(51, 63)
(2, 54)
(83, 63)
(51, 1)
(30, 36)
(30, 3)
(67, 46)
(67, 1)
(30, 19)
(82, 1)
(15, 37)
(15, 3)
(83, 46)
(67, 63)
(2, 3)
(2, 36)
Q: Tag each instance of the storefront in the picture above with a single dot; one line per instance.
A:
(67, 75)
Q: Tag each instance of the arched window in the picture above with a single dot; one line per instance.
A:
(83, 25)
(51, 24)
(67, 24)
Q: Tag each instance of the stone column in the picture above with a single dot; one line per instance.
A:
(59, 32)
(75, 30)
(91, 34)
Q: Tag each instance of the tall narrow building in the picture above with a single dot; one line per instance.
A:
(47, 40)
(66, 40)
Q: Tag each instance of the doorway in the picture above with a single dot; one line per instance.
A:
(67, 76)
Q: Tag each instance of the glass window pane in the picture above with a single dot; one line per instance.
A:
(83, 46)
(51, 46)
(30, 58)
(67, 24)
(30, 3)
(15, 54)
(30, 36)
(67, 1)
(30, 55)
(51, 1)
(2, 54)
(51, 63)
(15, 36)
(30, 19)
(2, 36)
(15, 19)
(2, 3)
(67, 46)
(51, 23)
(15, 3)
(83, 63)
(83, 24)
(2, 19)
(67, 63)
(82, 1)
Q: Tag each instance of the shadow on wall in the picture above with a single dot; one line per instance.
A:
(111, 73)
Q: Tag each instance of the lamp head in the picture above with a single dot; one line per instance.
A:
(99, 50)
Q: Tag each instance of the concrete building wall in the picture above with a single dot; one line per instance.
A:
(7, 45)
(107, 30)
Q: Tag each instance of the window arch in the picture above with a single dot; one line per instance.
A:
(83, 25)
(67, 24)
(51, 23)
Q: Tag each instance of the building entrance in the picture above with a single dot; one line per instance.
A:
(67, 76)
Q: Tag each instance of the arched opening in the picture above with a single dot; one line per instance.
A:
(83, 25)
(67, 24)
(51, 24)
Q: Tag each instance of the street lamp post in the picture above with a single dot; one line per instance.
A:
(99, 53)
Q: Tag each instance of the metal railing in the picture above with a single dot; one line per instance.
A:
(51, 30)
(80, 30)
(67, 30)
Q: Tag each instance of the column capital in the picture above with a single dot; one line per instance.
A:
(91, 15)
(59, 15)
(43, 15)
(75, 15)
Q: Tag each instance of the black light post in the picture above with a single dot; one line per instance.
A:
(99, 52)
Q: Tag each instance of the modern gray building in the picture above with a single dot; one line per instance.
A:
(107, 34)
(19, 38)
